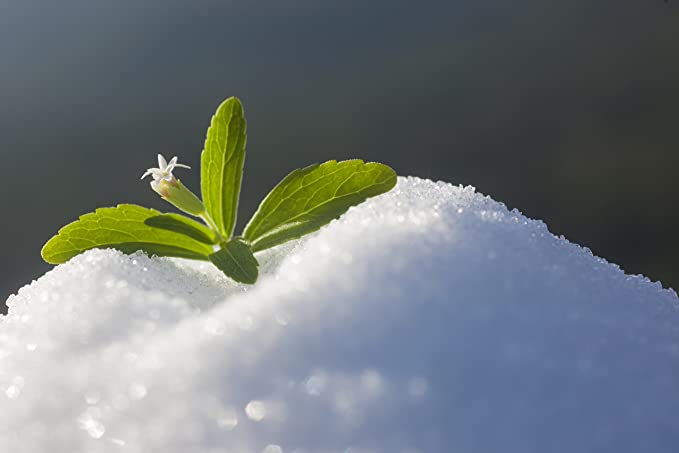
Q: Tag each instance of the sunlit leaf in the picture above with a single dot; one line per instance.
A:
(222, 164)
(310, 197)
(130, 228)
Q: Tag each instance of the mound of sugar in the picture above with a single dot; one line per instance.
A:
(429, 319)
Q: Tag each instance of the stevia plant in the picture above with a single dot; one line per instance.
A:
(301, 203)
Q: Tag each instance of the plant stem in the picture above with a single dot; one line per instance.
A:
(213, 226)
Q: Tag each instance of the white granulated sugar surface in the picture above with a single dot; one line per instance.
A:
(429, 319)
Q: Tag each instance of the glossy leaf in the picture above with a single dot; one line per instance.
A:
(311, 197)
(130, 228)
(236, 260)
(222, 164)
(184, 225)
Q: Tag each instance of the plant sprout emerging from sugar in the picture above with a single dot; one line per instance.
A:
(301, 203)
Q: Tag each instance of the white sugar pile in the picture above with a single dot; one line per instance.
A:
(430, 319)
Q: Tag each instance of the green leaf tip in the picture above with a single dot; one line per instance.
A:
(311, 197)
(237, 261)
(301, 203)
(222, 164)
(130, 228)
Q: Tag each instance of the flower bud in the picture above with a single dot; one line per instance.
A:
(178, 194)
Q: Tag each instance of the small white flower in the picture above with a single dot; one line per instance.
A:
(163, 172)
(171, 189)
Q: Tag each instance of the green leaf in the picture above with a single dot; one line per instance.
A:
(129, 228)
(222, 164)
(311, 197)
(236, 260)
(180, 224)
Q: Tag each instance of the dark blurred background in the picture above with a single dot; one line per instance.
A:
(566, 110)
